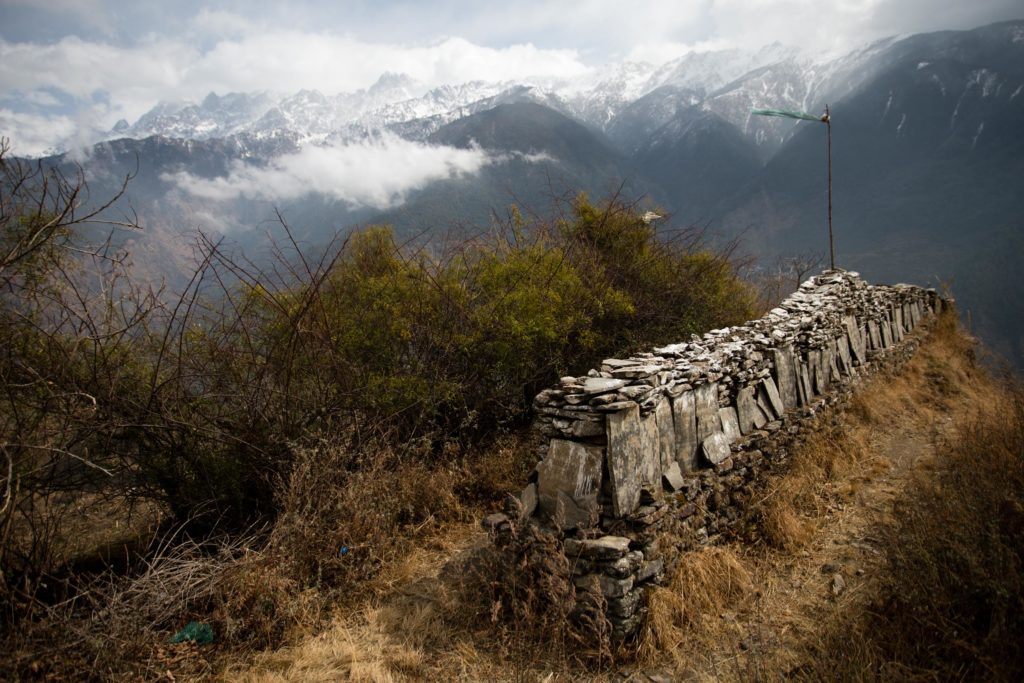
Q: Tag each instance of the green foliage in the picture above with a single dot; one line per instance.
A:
(203, 403)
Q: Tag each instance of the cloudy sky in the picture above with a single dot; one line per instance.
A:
(69, 68)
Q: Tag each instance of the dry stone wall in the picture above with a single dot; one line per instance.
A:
(675, 440)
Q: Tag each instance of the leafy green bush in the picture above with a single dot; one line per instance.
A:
(203, 402)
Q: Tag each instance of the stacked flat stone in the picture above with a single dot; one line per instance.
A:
(643, 443)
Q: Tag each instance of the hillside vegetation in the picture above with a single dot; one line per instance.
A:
(268, 442)
(298, 457)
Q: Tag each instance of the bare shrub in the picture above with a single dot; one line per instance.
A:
(521, 593)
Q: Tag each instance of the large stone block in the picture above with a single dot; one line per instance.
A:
(774, 399)
(814, 370)
(843, 348)
(684, 419)
(716, 448)
(873, 336)
(785, 376)
(666, 432)
(806, 388)
(749, 413)
(886, 326)
(853, 333)
(730, 423)
(570, 468)
(706, 405)
(650, 456)
(628, 443)
(822, 368)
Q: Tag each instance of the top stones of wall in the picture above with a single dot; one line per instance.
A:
(817, 336)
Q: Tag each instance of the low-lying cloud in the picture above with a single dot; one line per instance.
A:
(377, 173)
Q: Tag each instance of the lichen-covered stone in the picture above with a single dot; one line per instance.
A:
(666, 433)
(706, 406)
(629, 448)
(571, 468)
(684, 420)
(730, 423)
(715, 448)
(605, 548)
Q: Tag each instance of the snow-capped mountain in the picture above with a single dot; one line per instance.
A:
(397, 102)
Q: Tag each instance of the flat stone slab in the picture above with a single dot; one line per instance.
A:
(673, 477)
(626, 453)
(773, 396)
(715, 448)
(706, 405)
(571, 468)
(605, 548)
(570, 515)
(684, 419)
(619, 363)
(749, 413)
(666, 433)
(843, 347)
(785, 376)
(650, 455)
(730, 424)
(602, 385)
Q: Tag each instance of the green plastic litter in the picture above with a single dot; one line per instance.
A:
(787, 114)
(200, 633)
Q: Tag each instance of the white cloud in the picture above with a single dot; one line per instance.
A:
(161, 69)
(34, 135)
(659, 53)
(377, 173)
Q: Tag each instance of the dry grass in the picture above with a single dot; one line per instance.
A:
(951, 603)
(425, 628)
(395, 518)
(691, 613)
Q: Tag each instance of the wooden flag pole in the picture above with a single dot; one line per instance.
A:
(831, 248)
(826, 118)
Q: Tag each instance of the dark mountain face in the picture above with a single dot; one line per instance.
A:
(530, 128)
(541, 156)
(928, 173)
(636, 124)
(699, 159)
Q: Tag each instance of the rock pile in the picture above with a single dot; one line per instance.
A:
(675, 439)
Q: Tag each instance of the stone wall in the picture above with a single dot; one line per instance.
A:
(675, 440)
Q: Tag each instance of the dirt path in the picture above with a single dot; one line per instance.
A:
(800, 595)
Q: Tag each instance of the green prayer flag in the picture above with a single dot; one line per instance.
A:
(787, 114)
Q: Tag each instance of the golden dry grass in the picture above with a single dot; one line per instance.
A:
(687, 613)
